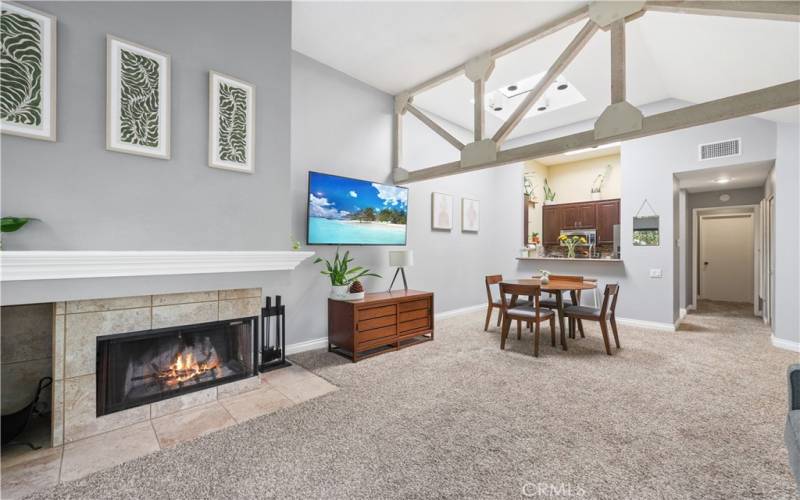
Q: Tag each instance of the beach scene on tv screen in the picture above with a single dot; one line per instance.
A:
(355, 212)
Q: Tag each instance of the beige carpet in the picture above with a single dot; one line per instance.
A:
(693, 414)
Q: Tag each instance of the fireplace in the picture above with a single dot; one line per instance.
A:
(137, 368)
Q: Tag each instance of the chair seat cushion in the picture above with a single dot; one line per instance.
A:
(518, 304)
(582, 311)
(549, 303)
(528, 312)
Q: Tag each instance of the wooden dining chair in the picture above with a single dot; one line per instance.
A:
(529, 312)
(606, 312)
(493, 299)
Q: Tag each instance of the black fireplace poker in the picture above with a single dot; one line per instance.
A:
(273, 354)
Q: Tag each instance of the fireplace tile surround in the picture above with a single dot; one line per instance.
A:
(76, 326)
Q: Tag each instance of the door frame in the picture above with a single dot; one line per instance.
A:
(752, 211)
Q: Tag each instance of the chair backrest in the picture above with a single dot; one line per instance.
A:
(506, 289)
(492, 282)
(611, 293)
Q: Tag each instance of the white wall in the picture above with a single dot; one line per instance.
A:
(787, 211)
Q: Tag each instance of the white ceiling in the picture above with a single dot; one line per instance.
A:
(743, 175)
(394, 45)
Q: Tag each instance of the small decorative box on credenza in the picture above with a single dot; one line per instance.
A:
(380, 322)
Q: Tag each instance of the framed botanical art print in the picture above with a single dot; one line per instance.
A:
(27, 72)
(231, 123)
(441, 211)
(138, 99)
(470, 215)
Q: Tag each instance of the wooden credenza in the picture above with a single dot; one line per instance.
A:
(380, 322)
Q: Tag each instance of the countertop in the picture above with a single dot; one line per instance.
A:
(582, 259)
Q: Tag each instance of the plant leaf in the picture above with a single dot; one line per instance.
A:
(11, 224)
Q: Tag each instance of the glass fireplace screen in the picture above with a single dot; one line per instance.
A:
(139, 368)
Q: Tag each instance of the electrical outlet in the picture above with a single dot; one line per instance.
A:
(655, 273)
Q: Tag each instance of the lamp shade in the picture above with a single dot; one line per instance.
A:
(401, 258)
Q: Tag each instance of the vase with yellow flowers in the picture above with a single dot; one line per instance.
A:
(571, 242)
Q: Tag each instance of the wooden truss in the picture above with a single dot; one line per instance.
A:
(620, 120)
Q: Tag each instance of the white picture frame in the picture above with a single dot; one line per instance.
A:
(238, 156)
(470, 215)
(142, 127)
(441, 211)
(45, 37)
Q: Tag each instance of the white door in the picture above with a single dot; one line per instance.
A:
(726, 258)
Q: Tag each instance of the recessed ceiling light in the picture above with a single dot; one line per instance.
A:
(512, 88)
(563, 86)
(722, 180)
(541, 108)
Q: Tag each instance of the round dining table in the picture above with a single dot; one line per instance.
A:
(557, 286)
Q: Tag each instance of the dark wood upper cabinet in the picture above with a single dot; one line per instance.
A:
(551, 224)
(601, 215)
(607, 217)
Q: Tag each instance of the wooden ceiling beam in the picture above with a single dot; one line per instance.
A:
(509, 46)
(566, 57)
(444, 134)
(776, 11)
(748, 103)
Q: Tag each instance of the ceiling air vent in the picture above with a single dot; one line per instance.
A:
(721, 149)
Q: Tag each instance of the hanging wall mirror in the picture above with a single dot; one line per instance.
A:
(645, 227)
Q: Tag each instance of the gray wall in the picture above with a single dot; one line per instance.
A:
(342, 126)
(787, 208)
(92, 199)
(747, 196)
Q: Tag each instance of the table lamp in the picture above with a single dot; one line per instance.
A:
(400, 259)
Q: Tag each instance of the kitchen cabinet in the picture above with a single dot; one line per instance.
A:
(600, 215)
(607, 217)
(551, 224)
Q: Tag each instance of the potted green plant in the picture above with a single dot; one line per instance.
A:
(11, 224)
(549, 194)
(342, 275)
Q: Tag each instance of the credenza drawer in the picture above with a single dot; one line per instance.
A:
(376, 333)
(375, 312)
(370, 324)
(416, 324)
(413, 305)
(410, 315)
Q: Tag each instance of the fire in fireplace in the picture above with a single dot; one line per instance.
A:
(142, 367)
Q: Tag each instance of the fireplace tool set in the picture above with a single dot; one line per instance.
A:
(273, 345)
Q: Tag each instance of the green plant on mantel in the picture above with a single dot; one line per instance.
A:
(11, 224)
(339, 271)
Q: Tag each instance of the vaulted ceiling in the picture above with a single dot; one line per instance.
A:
(393, 46)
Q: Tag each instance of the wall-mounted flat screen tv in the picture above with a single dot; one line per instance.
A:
(345, 211)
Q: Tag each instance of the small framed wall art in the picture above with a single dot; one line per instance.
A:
(138, 99)
(441, 211)
(231, 123)
(28, 74)
(470, 215)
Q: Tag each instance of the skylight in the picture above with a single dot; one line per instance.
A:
(560, 94)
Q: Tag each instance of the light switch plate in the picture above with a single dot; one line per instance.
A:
(656, 273)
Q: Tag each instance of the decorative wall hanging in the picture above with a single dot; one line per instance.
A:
(470, 215)
(138, 99)
(27, 72)
(441, 211)
(231, 123)
(645, 227)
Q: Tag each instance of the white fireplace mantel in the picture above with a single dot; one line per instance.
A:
(53, 265)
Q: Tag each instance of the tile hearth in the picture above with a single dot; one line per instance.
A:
(168, 424)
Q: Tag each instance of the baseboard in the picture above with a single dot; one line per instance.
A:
(785, 344)
(307, 345)
(459, 312)
(691, 307)
(653, 325)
